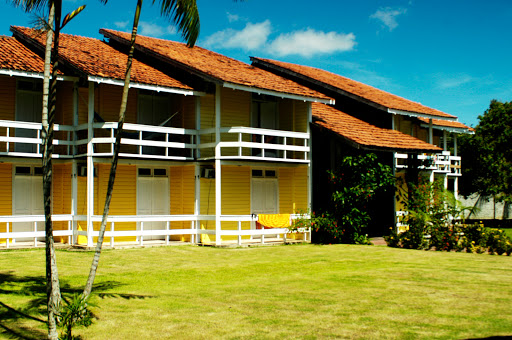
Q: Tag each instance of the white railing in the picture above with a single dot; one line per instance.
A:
(142, 141)
(37, 228)
(23, 139)
(438, 163)
(194, 231)
(259, 144)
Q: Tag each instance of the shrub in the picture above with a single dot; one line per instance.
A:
(355, 183)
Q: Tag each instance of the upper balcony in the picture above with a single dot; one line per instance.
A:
(23, 139)
(443, 163)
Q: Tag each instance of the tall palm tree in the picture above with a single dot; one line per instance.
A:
(52, 28)
(185, 15)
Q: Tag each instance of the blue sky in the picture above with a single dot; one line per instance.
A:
(454, 55)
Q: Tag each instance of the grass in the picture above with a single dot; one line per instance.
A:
(300, 291)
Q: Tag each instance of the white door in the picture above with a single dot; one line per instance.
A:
(264, 196)
(27, 200)
(153, 199)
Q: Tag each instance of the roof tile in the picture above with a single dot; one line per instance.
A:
(15, 56)
(96, 58)
(365, 134)
(358, 89)
(217, 66)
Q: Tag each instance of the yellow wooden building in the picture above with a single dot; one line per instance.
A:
(210, 145)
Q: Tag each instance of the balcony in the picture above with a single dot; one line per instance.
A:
(442, 163)
(247, 143)
(23, 139)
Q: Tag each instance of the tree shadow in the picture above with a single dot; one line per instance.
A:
(14, 319)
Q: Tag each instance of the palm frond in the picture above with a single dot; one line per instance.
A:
(30, 5)
(71, 15)
(185, 15)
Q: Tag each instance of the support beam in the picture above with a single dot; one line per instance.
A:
(90, 165)
(445, 142)
(310, 157)
(74, 167)
(218, 200)
(430, 131)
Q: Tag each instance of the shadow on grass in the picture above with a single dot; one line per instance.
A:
(13, 320)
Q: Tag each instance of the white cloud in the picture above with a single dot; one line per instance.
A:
(447, 82)
(307, 42)
(155, 30)
(387, 16)
(232, 17)
(121, 24)
(253, 36)
(310, 42)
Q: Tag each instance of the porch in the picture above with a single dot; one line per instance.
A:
(191, 231)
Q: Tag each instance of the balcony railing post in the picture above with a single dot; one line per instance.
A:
(141, 232)
(239, 233)
(167, 234)
(7, 237)
(240, 147)
(7, 144)
(112, 228)
(35, 231)
(38, 144)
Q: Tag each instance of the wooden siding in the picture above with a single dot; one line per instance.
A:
(236, 195)
(293, 190)
(182, 196)
(207, 122)
(8, 103)
(5, 193)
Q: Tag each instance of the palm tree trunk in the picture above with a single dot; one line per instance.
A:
(115, 156)
(48, 118)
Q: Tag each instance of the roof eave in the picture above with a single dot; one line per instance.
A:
(37, 75)
(157, 88)
(421, 115)
(277, 93)
(449, 129)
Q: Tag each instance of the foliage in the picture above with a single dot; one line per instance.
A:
(354, 184)
(487, 154)
(75, 313)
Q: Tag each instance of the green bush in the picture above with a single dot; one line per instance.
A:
(355, 183)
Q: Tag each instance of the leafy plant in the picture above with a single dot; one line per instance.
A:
(74, 313)
(354, 185)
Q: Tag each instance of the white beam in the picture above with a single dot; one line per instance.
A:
(277, 94)
(90, 165)
(218, 200)
(156, 88)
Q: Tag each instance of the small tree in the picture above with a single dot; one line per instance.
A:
(354, 185)
(487, 154)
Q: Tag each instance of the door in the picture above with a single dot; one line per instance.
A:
(264, 196)
(153, 197)
(28, 109)
(28, 197)
(153, 110)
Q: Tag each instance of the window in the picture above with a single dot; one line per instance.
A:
(150, 172)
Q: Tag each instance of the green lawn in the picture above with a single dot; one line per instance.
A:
(298, 291)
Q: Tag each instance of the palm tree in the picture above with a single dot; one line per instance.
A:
(52, 28)
(185, 15)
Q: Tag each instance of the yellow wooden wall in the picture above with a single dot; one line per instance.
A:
(61, 195)
(8, 106)
(207, 122)
(293, 190)
(5, 193)
(182, 196)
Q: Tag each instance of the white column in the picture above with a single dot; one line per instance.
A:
(197, 198)
(74, 168)
(218, 201)
(310, 165)
(455, 144)
(445, 143)
(430, 131)
(90, 165)
(198, 126)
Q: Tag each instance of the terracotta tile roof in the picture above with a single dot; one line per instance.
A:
(447, 123)
(356, 88)
(96, 58)
(214, 66)
(15, 56)
(365, 134)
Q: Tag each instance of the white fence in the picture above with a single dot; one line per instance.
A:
(195, 231)
(439, 163)
(240, 142)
